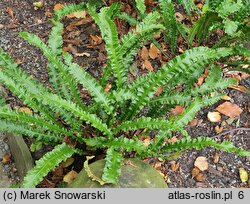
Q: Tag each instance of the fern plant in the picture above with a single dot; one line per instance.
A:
(228, 15)
(112, 115)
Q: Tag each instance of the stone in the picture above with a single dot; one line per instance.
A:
(20, 152)
(134, 174)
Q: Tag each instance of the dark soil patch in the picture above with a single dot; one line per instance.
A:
(225, 173)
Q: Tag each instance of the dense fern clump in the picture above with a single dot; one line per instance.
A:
(112, 115)
(229, 16)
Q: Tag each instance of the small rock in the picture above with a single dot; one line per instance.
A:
(1, 26)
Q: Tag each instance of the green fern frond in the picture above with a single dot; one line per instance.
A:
(145, 86)
(55, 102)
(170, 22)
(35, 133)
(26, 97)
(66, 109)
(145, 122)
(201, 28)
(242, 13)
(135, 38)
(110, 36)
(112, 169)
(228, 7)
(68, 9)
(46, 164)
(29, 90)
(213, 82)
(120, 143)
(31, 120)
(188, 5)
(124, 16)
(174, 98)
(140, 5)
(69, 90)
(189, 113)
(200, 143)
(212, 4)
(88, 82)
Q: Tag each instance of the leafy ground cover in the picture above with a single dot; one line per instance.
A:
(83, 40)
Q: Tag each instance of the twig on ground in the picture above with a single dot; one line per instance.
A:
(230, 131)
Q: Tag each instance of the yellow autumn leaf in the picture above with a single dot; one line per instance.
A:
(69, 177)
(243, 175)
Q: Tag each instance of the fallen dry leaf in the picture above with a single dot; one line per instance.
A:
(10, 11)
(153, 51)
(82, 54)
(199, 6)
(146, 142)
(157, 165)
(69, 177)
(243, 175)
(58, 6)
(38, 4)
(193, 123)
(201, 163)
(229, 109)
(195, 171)
(175, 166)
(239, 88)
(159, 91)
(78, 14)
(179, 16)
(6, 158)
(58, 171)
(147, 64)
(144, 53)
(216, 158)
(107, 88)
(226, 98)
(214, 116)
(177, 110)
(218, 129)
(96, 39)
(200, 177)
(24, 110)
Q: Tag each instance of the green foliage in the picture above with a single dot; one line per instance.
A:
(113, 164)
(140, 5)
(187, 4)
(48, 162)
(112, 117)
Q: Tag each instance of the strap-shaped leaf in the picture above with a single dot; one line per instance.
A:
(56, 103)
(69, 90)
(68, 9)
(213, 82)
(145, 86)
(112, 169)
(140, 5)
(46, 164)
(120, 143)
(29, 119)
(110, 35)
(88, 82)
(202, 142)
(19, 128)
(170, 22)
(145, 122)
(188, 5)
